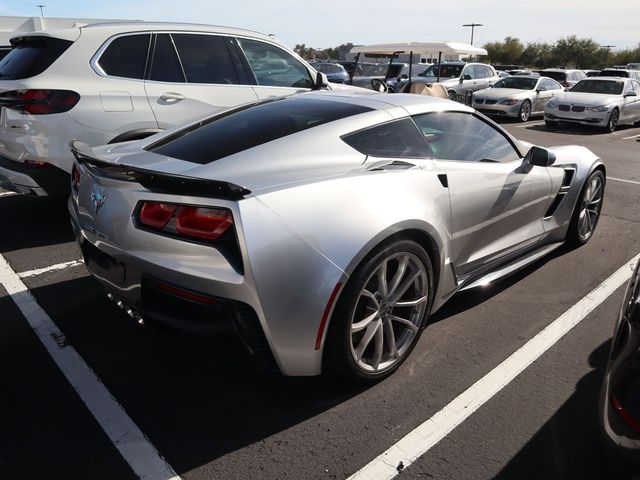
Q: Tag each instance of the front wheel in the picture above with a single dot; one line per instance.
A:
(613, 120)
(453, 95)
(381, 312)
(525, 111)
(587, 211)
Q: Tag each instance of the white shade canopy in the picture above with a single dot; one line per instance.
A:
(421, 48)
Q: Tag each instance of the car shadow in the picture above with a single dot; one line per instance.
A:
(580, 130)
(197, 397)
(33, 222)
(569, 445)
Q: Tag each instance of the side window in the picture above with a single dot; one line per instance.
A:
(165, 66)
(126, 56)
(550, 84)
(205, 58)
(479, 71)
(462, 136)
(397, 139)
(468, 70)
(488, 71)
(636, 88)
(273, 66)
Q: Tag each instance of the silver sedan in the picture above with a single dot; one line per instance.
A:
(518, 96)
(326, 229)
(599, 101)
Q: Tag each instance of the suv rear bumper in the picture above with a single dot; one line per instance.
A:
(33, 181)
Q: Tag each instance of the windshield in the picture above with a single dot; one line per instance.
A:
(446, 71)
(517, 82)
(605, 87)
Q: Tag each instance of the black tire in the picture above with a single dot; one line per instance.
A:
(340, 354)
(612, 124)
(576, 236)
(453, 95)
(525, 111)
(550, 125)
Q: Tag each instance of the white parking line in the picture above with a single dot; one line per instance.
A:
(134, 447)
(7, 194)
(530, 125)
(52, 268)
(623, 180)
(632, 136)
(417, 442)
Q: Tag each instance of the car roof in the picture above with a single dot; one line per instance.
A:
(112, 28)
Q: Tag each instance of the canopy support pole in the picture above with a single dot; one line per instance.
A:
(439, 64)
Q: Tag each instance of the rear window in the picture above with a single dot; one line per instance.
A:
(398, 139)
(613, 73)
(30, 56)
(248, 127)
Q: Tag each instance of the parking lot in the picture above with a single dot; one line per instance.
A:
(198, 402)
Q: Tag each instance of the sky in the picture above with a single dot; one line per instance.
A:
(329, 23)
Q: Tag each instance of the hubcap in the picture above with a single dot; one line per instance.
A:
(526, 111)
(613, 121)
(590, 208)
(389, 311)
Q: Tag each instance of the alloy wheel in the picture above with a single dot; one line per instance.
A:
(613, 121)
(525, 111)
(389, 311)
(590, 208)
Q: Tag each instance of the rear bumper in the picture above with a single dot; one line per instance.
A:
(33, 181)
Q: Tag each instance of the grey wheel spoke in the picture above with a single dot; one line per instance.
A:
(403, 287)
(377, 353)
(372, 297)
(390, 338)
(407, 323)
(382, 281)
(366, 339)
(397, 277)
(410, 303)
(362, 324)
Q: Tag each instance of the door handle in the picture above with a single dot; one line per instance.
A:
(170, 97)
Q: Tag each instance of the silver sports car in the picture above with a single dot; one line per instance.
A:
(324, 228)
(518, 96)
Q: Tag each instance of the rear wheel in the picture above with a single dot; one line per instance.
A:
(381, 312)
(587, 210)
(525, 111)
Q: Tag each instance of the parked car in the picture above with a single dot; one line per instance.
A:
(219, 222)
(335, 72)
(460, 78)
(566, 78)
(518, 96)
(633, 66)
(107, 83)
(620, 395)
(620, 72)
(502, 74)
(599, 101)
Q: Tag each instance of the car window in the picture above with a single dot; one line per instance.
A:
(165, 66)
(468, 70)
(628, 88)
(249, 126)
(31, 56)
(126, 56)
(636, 88)
(205, 58)
(397, 139)
(550, 84)
(479, 71)
(273, 66)
(558, 76)
(488, 71)
(463, 136)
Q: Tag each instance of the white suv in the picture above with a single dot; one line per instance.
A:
(106, 83)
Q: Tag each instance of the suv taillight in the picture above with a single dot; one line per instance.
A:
(186, 221)
(40, 102)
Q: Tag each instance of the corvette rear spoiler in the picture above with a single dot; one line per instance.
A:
(157, 181)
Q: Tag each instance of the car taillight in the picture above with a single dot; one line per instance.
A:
(75, 178)
(189, 221)
(37, 164)
(40, 102)
(625, 415)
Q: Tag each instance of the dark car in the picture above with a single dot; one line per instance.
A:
(566, 78)
(620, 72)
(335, 72)
(620, 397)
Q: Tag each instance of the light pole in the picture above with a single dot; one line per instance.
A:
(473, 26)
(41, 12)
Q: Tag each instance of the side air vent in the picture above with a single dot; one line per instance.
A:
(569, 173)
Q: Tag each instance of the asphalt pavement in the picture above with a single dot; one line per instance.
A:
(210, 414)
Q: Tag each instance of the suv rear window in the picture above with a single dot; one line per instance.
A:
(30, 56)
(126, 56)
(557, 76)
(250, 126)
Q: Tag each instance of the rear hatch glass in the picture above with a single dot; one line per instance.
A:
(557, 76)
(31, 56)
(250, 126)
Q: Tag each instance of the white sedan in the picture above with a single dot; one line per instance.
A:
(599, 101)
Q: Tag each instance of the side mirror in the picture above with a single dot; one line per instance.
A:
(466, 76)
(321, 81)
(540, 157)
(630, 94)
(541, 89)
